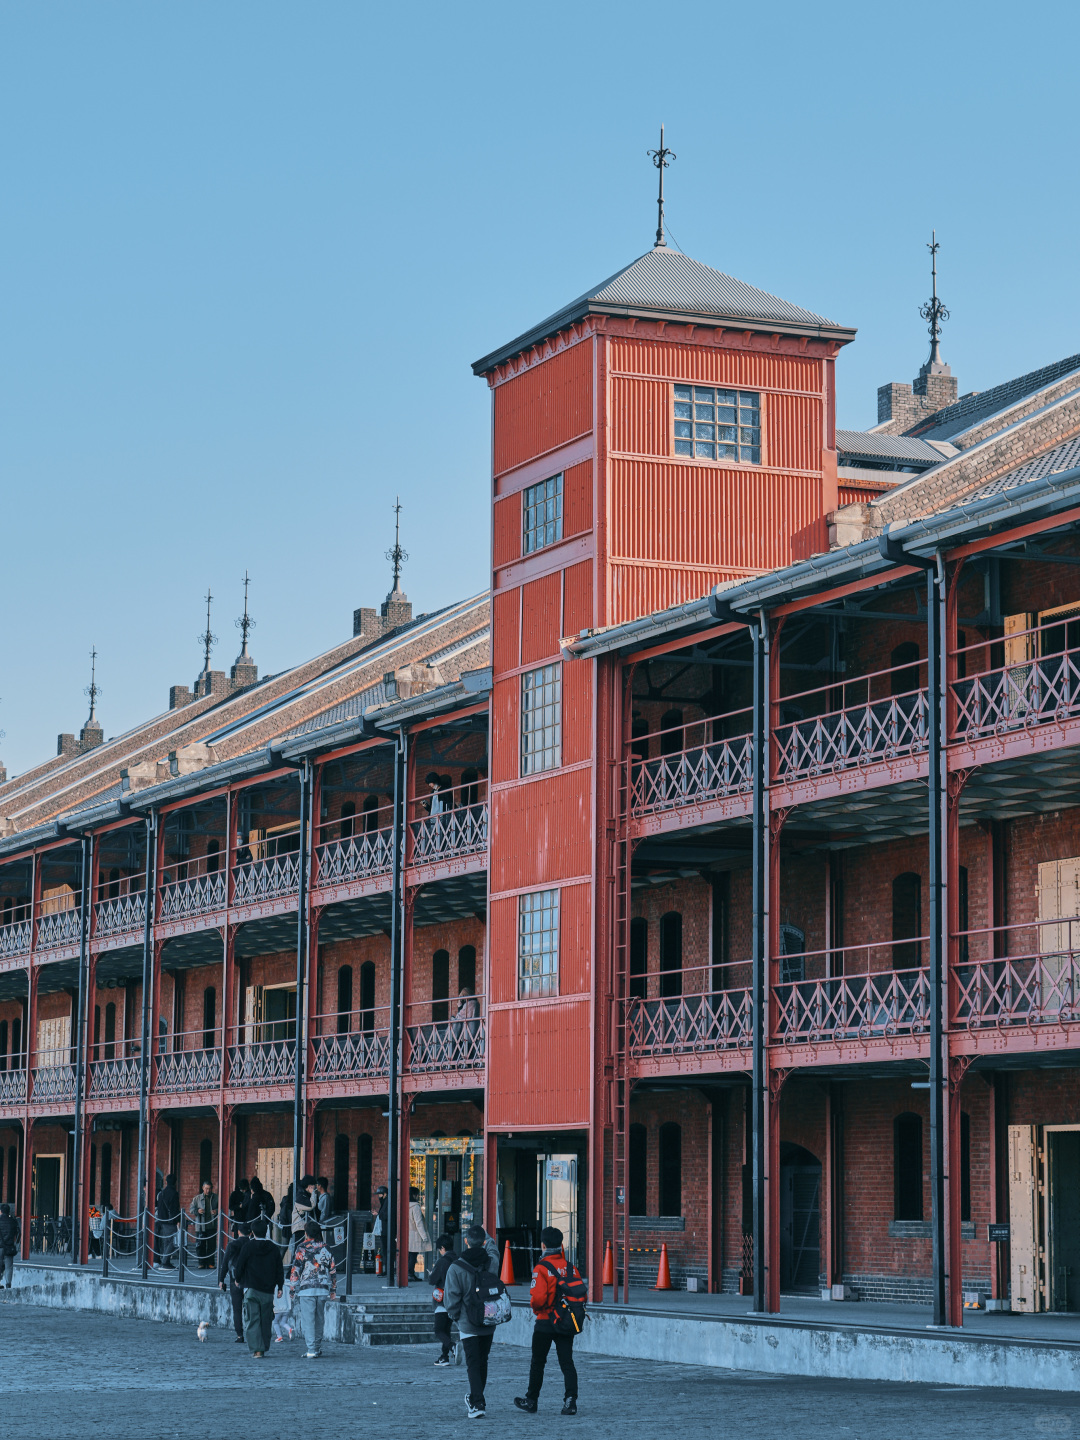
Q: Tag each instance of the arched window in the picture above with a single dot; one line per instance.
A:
(3, 1054)
(106, 1177)
(639, 965)
(363, 1172)
(440, 987)
(348, 823)
(965, 1165)
(906, 921)
(470, 787)
(367, 997)
(213, 856)
(206, 1162)
(670, 1169)
(344, 1000)
(638, 1157)
(209, 1017)
(466, 968)
(17, 1061)
(907, 1167)
(110, 1031)
(904, 662)
(340, 1193)
(671, 738)
(671, 954)
(371, 814)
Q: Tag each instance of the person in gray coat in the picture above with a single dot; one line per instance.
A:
(475, 1340)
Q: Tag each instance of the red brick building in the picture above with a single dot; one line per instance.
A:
(711, 883)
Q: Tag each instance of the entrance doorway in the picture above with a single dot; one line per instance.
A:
(1064, 1162)
(800, 1220)
(449, 1173)
(46, 1182)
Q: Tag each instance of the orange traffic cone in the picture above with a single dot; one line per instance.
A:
(609, 1267)
(506, 1274)
(663, 1274)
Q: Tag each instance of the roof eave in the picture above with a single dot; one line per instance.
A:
(446, 698)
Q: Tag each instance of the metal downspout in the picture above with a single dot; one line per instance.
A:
(81, 1065)
(759, 1077)
(935, 612)
(300, 1040)
(144, 1046)
(397, 930)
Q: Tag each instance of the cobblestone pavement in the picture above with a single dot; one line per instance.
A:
(71, 1374)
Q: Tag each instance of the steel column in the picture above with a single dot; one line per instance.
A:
(759, 923)
(30, 1049)
(301, 974)
(144, 1048)
(86, 873)
(397, 925)
(938, 923)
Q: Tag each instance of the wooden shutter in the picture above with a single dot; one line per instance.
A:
(1025, 1252)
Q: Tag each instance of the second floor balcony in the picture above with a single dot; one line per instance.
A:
(695, 1010)
(351, 1045)
(191, 1062)
(115, 1078)
(119, 914)
(13, 1086)
(15, 937)
(52, 1080)
(354, 847)
(445, 1036)
(58, 928)
(1016, 977)
(864, 992)
(261, 1055)
(700, 761)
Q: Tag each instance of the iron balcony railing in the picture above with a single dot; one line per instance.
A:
(113, 1079)
(122, 915)
(189, 887)
(192, 1062)
(267, 879)
(860, 992)
(353, 1045)
(63, 927)
(434, 1043)
(15, 939)
(55, 1082)
(698, 761)
(682, 1012)
(463, 831)
(354, 857)
(1036, 682)
(1016, 975)
(254, 1061)
(12, 1087)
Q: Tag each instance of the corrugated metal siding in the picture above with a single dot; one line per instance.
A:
(506, 530)
(575, 940)
(638, 590)
(538, 1065)
(546, 406)
(540, 832)
(639, 418)
(577, 708)
(505, 698)
(505, 629)
(578, 599)
(710, 366)
(541, 618)
(855, 494)
(577, 498)
(792, 425)
(696, 514)
(502, 949)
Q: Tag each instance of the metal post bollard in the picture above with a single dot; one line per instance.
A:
(144, 1262)
(348, 1252)
(106, 1241)
(180, 1248)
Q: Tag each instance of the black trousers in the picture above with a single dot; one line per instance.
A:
(442, 1331)
(564, 1349)
(477, 1349)
(236, 1295)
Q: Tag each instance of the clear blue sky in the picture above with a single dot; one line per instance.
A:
(249, 250)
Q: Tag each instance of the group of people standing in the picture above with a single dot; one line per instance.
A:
(169, 1215)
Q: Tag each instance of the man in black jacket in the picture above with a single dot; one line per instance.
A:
(9, 1242)
(259, 1273)
(167, 1221)
(445, 1247)
(227, 1268)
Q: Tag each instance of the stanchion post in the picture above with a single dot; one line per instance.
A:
(180, 1248)
(348, 1252)
(106, 1242)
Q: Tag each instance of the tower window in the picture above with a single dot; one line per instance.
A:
(716, 424)
(541, 719)
(538, 944)
(542, 514)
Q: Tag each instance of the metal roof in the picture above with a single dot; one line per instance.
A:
(980, 404)
(1052, 462)
(904, 448)
(665, 284)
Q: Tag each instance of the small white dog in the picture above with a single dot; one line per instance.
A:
(201, 1331)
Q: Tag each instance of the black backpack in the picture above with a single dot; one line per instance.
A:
(571, 1293)
(486, 1302)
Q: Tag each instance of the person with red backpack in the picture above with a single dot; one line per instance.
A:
(557, 1296)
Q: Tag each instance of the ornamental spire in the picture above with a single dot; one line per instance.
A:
(934, 312)
(661, 159)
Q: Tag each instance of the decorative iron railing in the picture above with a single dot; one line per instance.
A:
(201, 895)
(355, 1055)
(1028, 990)
(262, 1062)
(15, 939)
(354, 858)
(52, 1083)
(463, 831)
(187, 1070)
(12, 1087)
(62, 928)
(857, 735)
(445, 1045)
(682, 1024)
(1017, 697)
(257, 880)
(112, 1079)
(121, 915)
(883, 1004)
(688, 777)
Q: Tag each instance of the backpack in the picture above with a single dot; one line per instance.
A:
(486, 1302)
(571, 1293)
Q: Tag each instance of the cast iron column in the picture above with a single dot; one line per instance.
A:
(144, 1046)
(935, 608)
(301, 976)
(397, 926)
(759, 1075)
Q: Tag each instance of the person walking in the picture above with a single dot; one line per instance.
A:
(312, 1282)
(9, 1243)
(443, 1333)
(260, 1275)
(381, 1227)
(475, 1338)
(204, 1212)
(167, 1218)
(226, 1273)
(552, 1267)
(419, 1239)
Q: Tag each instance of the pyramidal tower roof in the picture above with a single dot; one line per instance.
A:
(664, 284)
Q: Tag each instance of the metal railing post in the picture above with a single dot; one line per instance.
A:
(348, 1252)
(180, 1248)
(106, 1241)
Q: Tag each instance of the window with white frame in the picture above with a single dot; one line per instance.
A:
(538, 944)
(541, 719)
(713, 424)
(542, 514)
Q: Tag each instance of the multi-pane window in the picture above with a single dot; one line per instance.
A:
(542, 513)
(541, 719)
(714, 424)
(538, 944)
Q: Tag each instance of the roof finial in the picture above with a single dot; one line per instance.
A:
(93, 689)
(397, 554)
(934, 312)
(661, 159)
(207, 639)
(244, 624)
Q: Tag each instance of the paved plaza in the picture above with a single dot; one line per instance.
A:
(78, 1374)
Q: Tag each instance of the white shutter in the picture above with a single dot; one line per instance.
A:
(1024, 1250)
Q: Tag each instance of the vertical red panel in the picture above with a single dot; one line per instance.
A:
(505, 627)
(717, 365)
(502, 949)
(792, 425)
(575, 940)
(545, 407)
(639, 422)
(541, 618)
(577, 498)
(504, 729)
(577, 711)
(538, 1066)
(506, 530)
(541, 832)
(578, 599)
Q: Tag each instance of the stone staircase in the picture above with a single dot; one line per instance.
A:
(394, 1322)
